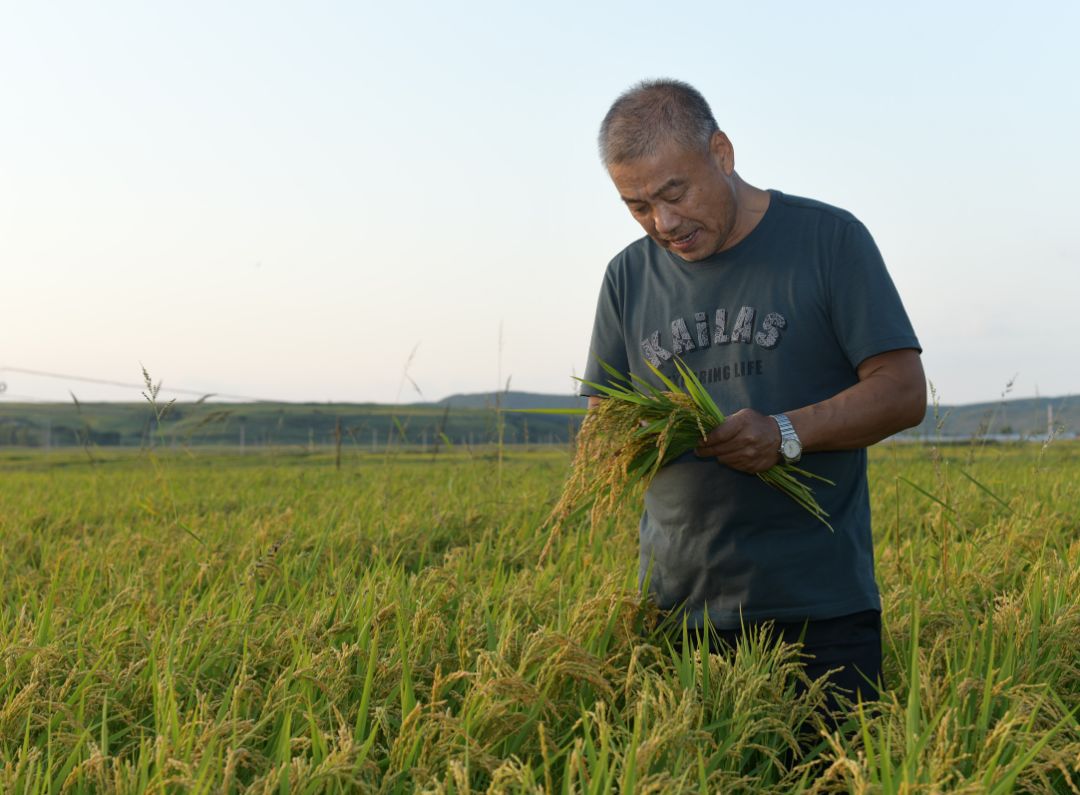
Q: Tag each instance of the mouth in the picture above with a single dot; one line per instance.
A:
(685, 242)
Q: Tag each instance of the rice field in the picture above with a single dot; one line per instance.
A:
(212, 622)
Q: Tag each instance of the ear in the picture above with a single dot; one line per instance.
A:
(723, 153)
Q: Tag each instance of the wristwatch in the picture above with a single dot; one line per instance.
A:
(790, 446)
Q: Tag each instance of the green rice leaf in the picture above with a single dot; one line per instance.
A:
(665, 380)
(702, 396)
(612, 371)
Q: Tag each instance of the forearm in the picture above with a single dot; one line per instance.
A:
(889, 397)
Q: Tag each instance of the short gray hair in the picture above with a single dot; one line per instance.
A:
(651, 113)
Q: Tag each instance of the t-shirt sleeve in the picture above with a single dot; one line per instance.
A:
(867, 314)
(607, 343)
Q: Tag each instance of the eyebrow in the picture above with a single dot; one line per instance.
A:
(674, 182)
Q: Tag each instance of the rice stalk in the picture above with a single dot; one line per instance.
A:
(640, 428)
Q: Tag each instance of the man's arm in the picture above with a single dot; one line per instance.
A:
(889, 397)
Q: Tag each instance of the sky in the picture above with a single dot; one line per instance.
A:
(392, 202)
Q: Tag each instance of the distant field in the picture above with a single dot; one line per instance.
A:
(210, 622)
(465, 420)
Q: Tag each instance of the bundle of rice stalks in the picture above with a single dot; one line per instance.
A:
(638, 429)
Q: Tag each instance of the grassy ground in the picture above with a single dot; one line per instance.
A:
(218, 623)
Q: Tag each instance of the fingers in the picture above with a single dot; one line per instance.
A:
(720, 435)
(735, 432)
(747, 441)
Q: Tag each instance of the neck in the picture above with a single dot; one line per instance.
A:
(750, 206)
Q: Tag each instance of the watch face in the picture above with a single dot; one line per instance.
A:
(791, 448)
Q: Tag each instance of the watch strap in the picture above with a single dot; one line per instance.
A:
(787, 432)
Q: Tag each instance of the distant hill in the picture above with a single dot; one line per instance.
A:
(459, 419)
(514, 400)
(1025, 418)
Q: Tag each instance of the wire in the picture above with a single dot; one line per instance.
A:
(86, 379)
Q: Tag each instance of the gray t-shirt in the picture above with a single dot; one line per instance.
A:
(779, 321)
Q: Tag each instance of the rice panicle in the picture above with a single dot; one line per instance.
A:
(634, 431)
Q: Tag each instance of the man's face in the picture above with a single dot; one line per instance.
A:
(684, 199)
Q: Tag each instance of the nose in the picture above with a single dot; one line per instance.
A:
(666, 220)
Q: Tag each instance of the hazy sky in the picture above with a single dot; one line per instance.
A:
(286, 200)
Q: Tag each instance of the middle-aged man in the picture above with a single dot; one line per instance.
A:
(783, 307)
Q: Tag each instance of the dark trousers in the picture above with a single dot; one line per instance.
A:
(848, 648)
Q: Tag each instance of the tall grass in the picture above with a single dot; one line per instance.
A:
(386, 629)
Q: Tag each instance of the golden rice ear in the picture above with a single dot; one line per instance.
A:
(634, 432)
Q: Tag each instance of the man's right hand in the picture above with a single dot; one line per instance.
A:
(747, 441)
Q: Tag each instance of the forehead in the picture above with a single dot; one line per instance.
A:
(669, 167)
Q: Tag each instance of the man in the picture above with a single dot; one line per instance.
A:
(784, 309)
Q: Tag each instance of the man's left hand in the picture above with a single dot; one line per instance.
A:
(746, 440)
